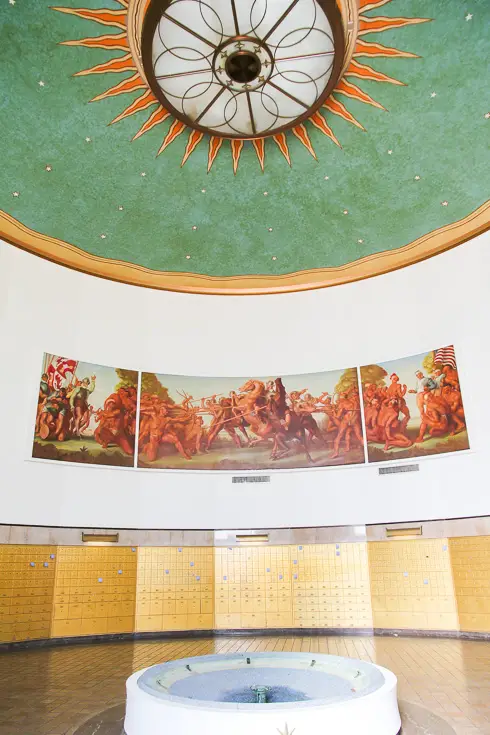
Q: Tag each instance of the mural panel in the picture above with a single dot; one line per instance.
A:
(85, 413)
(250, 423)
(413, 407)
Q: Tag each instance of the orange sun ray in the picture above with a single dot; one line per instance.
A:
(236, 152)
(118, 64)
(281, 142)
(356, 69)
(319, 122)
(215, 144)
(259, 145)
(156, 117)
(104, 16)
(131, 84)
(355, 93)
(301, 133)
(381, 23)
(338, 108)
(176, 129)
(371, 4)
(194, 139)
(111, 42)
(140, 103)
(367, 48)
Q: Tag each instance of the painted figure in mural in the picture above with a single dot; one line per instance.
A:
(54, 417)
(44, 392)
(157, 428)
(116, 420)
(435, 417)
(422, 382)
(79, 404)
(371, 412)
(325, 400)
(438, 403)
(349, 415)
(452, 395)
(391, 430)
(397, 391)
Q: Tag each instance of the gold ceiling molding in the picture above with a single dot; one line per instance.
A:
(63, 253)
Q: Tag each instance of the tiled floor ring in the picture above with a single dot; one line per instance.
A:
(59, 691)
(415, 721)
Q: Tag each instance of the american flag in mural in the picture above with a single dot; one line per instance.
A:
(445, 356)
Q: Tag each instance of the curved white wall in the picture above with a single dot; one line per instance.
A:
(43, 307)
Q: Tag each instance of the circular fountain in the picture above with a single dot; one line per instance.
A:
(262, 694)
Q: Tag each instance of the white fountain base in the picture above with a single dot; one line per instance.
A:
(363, 699)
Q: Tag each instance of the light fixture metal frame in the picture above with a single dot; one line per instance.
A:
(157, 9)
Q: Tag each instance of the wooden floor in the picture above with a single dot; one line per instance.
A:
(53, 691)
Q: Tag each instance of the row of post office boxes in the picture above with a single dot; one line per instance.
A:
(92, 626)
(26, 617)
(315, 606)
(143, 588)
(27, 607)
(173, 595)
(192, 621)
(475, 622)
(177, 607)
(68, 599)
(93, 610)
(95, 591)
(231, 621)
(416, 620)
(413, 603)
(278, 586)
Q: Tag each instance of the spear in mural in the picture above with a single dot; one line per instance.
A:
(215, 395)
(197, 400)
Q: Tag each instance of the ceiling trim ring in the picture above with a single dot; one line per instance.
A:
(65, 254)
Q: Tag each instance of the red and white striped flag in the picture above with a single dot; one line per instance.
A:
(445, 356)
(58, 370)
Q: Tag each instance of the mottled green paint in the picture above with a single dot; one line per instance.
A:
(444, 140)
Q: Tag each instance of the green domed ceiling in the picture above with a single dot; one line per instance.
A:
(393, 168)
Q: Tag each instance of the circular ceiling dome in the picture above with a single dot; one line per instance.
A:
(175, 196)
(242, 69)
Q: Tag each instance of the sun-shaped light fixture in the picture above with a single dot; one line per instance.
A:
(243, 70)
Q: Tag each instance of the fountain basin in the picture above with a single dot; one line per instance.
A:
(307, 693)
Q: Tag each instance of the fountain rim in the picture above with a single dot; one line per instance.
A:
(389, 683)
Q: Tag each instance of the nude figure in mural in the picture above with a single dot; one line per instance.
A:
(457, 419)
(158, 430)
(329, 409)
(436, 416)
(373, 429)
(390, 427)
(398, 391)
(349, 415)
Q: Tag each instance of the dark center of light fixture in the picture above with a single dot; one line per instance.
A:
(243, 66)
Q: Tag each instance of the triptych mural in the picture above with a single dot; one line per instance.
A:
(94, 414)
